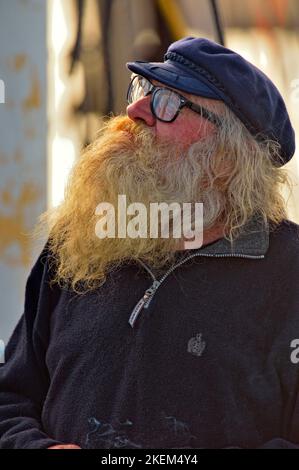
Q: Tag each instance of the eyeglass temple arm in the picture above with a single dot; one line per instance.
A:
(204, 112)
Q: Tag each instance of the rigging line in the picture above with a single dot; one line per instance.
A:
(217, 21)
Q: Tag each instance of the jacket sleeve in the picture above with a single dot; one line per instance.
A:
(24, 378)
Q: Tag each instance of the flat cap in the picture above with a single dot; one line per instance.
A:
(204, 68)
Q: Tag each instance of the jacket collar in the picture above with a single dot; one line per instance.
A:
(253, 241)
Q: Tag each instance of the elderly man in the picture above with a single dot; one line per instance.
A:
(142, 342)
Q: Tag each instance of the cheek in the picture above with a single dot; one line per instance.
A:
(185, 131)
(196, 129)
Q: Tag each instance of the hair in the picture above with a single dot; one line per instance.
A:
(238, 177)
(248, 170)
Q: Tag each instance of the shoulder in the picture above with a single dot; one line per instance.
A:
(41, 296)
(39, 282)
(41, 265)
(286, 229)
(284, 239)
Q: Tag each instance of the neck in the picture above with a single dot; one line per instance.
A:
(209, 236)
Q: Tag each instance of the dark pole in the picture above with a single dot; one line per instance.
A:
(217, 21)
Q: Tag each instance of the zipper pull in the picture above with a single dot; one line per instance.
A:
(143, 302)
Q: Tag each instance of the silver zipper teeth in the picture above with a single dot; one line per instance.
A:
(145, 301)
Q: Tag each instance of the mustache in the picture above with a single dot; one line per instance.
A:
(122, 134)
(125, 131)
(125, 124)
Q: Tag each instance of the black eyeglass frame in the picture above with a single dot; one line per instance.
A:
(197, 108)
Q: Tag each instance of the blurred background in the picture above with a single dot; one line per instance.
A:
(62, 68)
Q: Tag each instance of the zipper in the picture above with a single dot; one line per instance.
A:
(143, 302)
(147, 297)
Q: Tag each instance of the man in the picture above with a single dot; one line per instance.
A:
(140, 342)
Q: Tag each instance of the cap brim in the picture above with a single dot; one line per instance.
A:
(174, 76)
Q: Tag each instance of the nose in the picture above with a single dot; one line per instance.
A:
(141, 110)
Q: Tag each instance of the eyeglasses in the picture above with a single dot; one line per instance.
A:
(165, 103)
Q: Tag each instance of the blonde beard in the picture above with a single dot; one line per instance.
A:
(125, 160)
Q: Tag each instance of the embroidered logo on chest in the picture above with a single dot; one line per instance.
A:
(196, 345)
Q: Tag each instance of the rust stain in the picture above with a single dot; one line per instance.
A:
(18, 62)
(6, 197)
(30, 133)
(18, 156)
(33, 99)
(3, 159)
(14, 229)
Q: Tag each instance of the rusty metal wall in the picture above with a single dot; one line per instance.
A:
(23, 155)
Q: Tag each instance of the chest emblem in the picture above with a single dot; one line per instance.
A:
(196, 345)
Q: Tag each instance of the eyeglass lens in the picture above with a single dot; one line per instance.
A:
(165, 102)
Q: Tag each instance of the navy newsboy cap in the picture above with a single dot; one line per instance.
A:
(203, 67)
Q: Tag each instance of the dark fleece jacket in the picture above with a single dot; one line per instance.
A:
(210, 363)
